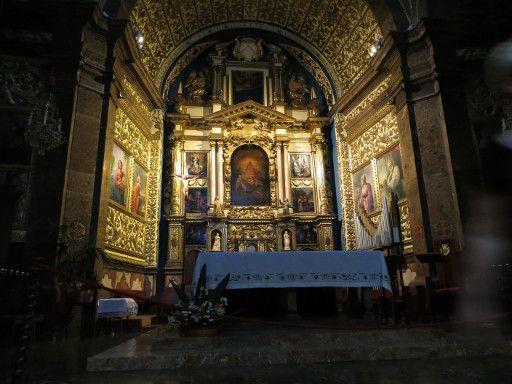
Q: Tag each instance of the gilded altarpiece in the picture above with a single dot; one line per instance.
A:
(131, 234)
(359, 148)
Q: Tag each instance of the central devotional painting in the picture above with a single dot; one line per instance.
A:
(250, 184)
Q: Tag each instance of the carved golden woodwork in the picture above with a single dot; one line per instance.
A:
(183, 62)
(368, 101)
(375, 138)
(131, 137)
(342, 31)
(313, 67)
(138, 129)
(175, 247)
(244, 234)
(125, 235)
(242, 132)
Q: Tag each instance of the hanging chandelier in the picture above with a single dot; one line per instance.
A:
(44, 126)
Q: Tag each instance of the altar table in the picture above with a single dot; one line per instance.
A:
(122, 307)
(294, 269)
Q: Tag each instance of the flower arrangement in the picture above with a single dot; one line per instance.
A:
(204, 308)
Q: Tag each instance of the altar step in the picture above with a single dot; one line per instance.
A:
(166, 350)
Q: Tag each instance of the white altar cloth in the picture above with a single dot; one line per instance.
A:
(294, 269)
(122, 307)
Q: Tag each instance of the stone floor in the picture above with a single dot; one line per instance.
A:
(495, 369)
(65, 362)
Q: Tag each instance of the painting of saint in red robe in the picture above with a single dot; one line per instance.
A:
(139, 186)
(250, 183)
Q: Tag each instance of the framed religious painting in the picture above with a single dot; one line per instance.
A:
(196, 164)
(118, 192)
(300, 164)
(195, 234)
(197, 200)
(364, 190)
(306, 234)
(250, 181)
(303, 200)
(139, 191)
(390, 174)
(247, 85)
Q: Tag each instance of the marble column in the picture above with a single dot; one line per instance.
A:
(213, 168)
(286, 173)
(280, 171)
(220, 171)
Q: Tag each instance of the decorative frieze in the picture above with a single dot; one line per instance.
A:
(131, 137)
(125, 233)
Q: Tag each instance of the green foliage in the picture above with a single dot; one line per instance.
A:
(74, 261)
(204, 307)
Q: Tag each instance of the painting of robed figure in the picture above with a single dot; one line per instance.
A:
(139, 187)
(389, 169)
(250, 181)
(118, 175)
(300, 165)
(197, 164)
(364, 193)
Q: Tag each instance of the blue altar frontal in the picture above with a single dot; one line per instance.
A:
(293, 269)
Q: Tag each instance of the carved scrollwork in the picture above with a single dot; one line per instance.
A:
(405, 224)
(376, 139)
(251, 213)
(124, 232)
(130, 136)
(243, 234)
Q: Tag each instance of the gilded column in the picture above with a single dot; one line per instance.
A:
(213, 162)
(220, 171)
(286, 174)
(318, 153)
(177, 190)
(280, 170)
(344, 178)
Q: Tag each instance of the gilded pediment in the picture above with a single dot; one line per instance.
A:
(249, 110)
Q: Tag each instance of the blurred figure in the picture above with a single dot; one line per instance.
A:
(488, 254)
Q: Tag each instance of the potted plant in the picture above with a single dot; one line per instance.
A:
(202, 313)
(74, 261)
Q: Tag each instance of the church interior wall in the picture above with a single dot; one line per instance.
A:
(131, 193)
(373, 117)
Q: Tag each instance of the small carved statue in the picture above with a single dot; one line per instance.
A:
(218, 210)
(216, 247)
(286, 241)
(297, 90)
(195, 87)
(286, 204)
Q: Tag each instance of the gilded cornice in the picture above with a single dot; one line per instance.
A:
(130, 59)
(249, 107)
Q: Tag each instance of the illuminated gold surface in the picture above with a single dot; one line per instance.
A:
(130, 136)
(342, 30)
(375, 138)
(138, 128)
(125, 233)
(263, 235)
